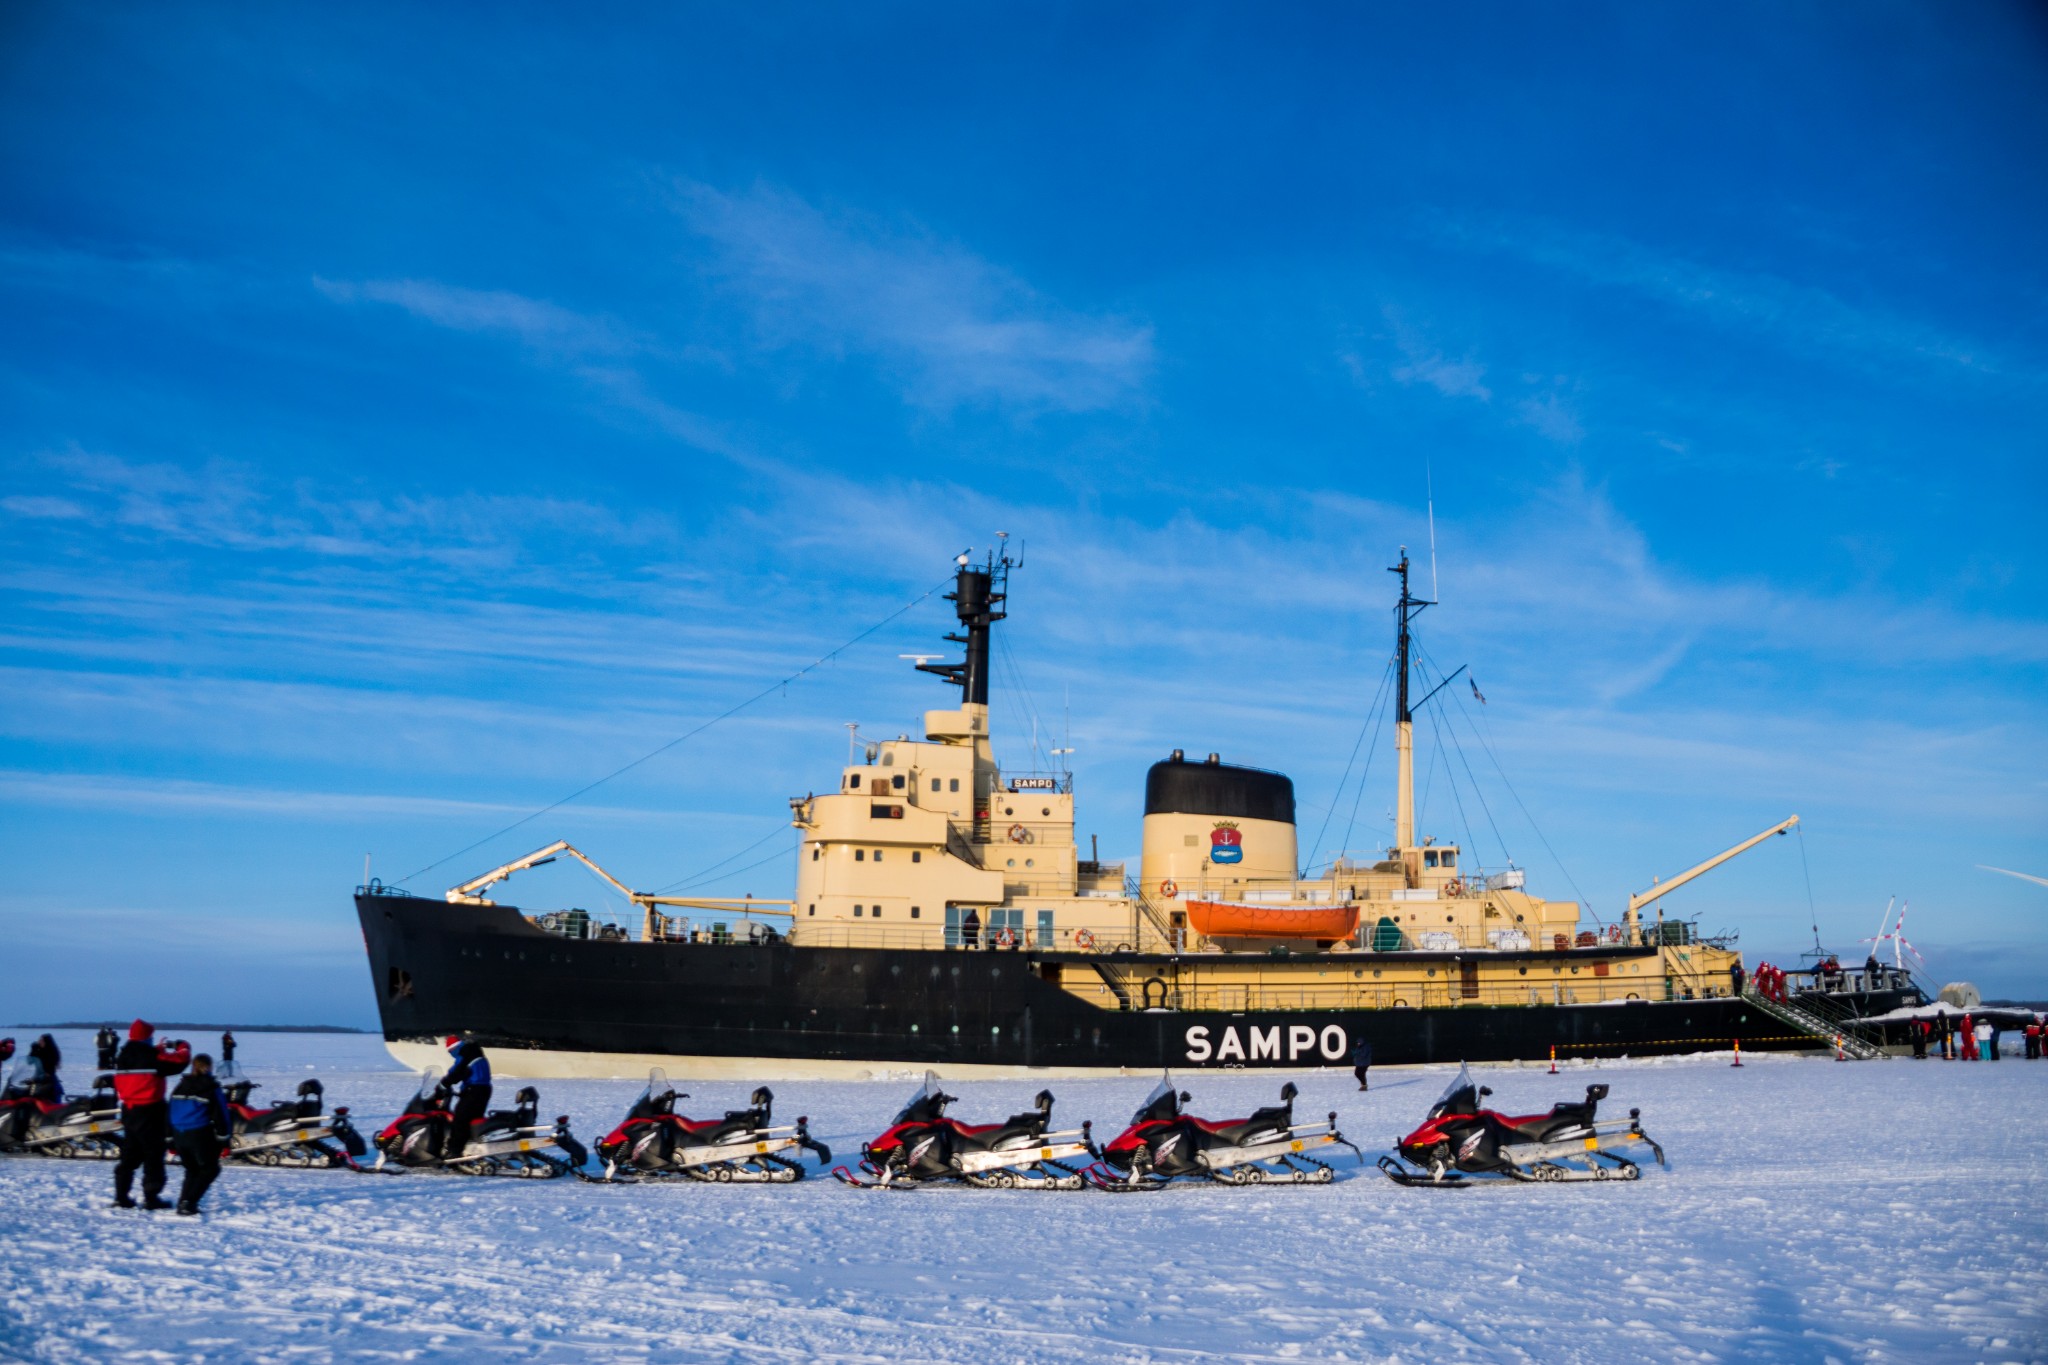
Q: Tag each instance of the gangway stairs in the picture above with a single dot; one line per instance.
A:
(1832, 1034)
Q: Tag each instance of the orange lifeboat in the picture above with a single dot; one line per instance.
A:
(1229, 919)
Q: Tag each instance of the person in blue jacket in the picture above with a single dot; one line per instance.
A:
(472, 1071)
(200, 1129)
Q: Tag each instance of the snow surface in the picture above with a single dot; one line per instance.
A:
(1814, 1211)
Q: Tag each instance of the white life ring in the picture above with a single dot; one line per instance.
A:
(1006, 938)
(1168, 888)
(1019, 835)
(1083, 939)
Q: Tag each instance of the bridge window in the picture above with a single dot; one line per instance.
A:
(1429, 858)
(814, 853)
(856, 912)
(1450, 858)
(953, 784)
(897, 782)
(914, 912)
(860, 855)
(916, 855)
(814, 908)
(935, 784)
(878, 855)
(853, 781)
(877, 914)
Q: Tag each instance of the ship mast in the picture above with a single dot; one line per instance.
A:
(1404, 719)
(977, 598)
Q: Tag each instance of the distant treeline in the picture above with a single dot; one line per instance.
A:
(2036, 1005)
(174, 1026)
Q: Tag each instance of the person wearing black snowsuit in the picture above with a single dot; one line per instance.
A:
(1919, 1040)
(6, 1050)
(109, 1046)
(227, 1047)
(139, 1071)
(1361, 1062)
(200, 1129)
(472, 1071)
(43, 1051)
(1736, 977)
(1941, 1028)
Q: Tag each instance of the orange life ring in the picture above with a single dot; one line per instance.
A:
(1019, 835)
(1454, 887)
(1168, 889)
(1006, 938)
(1083, 939)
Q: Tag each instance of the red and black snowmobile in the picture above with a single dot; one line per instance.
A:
(34, 1122)
(1164, 1143)
(741, 1148)
(922, 1145)
(293, 1134)
(1460, 1140)
(502, 1142)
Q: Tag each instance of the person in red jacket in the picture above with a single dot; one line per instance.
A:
(1969, 1038)
(139, 1072)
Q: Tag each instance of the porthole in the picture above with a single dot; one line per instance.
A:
(1030, 862)
(1008, 811)
(913, 1028)
(1376, 973)
(1450, 919)
(1431, 972)
(1046, 812)
(995, 1031)
(1523, 971)
(1575, 969)
(1011, 863)
(956, 1028)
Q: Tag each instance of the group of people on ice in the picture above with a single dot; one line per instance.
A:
(1973, 1039)
(191, 1116)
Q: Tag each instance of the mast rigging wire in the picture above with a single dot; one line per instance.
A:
(1330, 811)
(1536, 828)
(700, 873)
(726, 714)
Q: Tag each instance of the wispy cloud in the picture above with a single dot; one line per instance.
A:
(546, 327)
(1811, 320)
(1423, 363)
(951, 326)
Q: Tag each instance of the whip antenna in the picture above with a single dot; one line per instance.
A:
(1429, 501)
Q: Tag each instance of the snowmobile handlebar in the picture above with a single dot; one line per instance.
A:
(804, 1139)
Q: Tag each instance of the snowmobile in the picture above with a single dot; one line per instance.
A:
(294, 1134)
(502, 1142)
(1164, 1143)
(922, 1145)
(654, 1140)
(89, 1126)
(1460, 1139)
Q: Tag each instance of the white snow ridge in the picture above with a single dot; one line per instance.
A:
(1814, 1211)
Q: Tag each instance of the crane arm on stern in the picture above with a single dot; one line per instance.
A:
(1643, 898)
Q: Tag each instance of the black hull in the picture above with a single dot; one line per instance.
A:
(486, 973)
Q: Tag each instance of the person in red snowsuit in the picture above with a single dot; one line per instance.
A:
(139, 1073)
(1969, 1039)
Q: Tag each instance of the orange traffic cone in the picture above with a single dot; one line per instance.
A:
(1738, 1053)
(1553, 1059)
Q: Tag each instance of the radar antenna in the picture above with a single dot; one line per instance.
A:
(979, 591)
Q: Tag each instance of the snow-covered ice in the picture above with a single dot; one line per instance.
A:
(1814, 1211)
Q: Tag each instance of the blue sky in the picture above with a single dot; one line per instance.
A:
(409, 418)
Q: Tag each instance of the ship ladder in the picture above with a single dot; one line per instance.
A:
(1816, 1027)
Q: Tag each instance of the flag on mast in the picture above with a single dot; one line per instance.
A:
(1475, 689)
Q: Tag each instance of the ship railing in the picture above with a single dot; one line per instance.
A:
(1427, 995)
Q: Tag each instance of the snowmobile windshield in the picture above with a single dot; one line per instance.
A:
(1160, 1104)
(430, 1081)
(924, 1102)
(1460, 1097)
(659, 1094)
